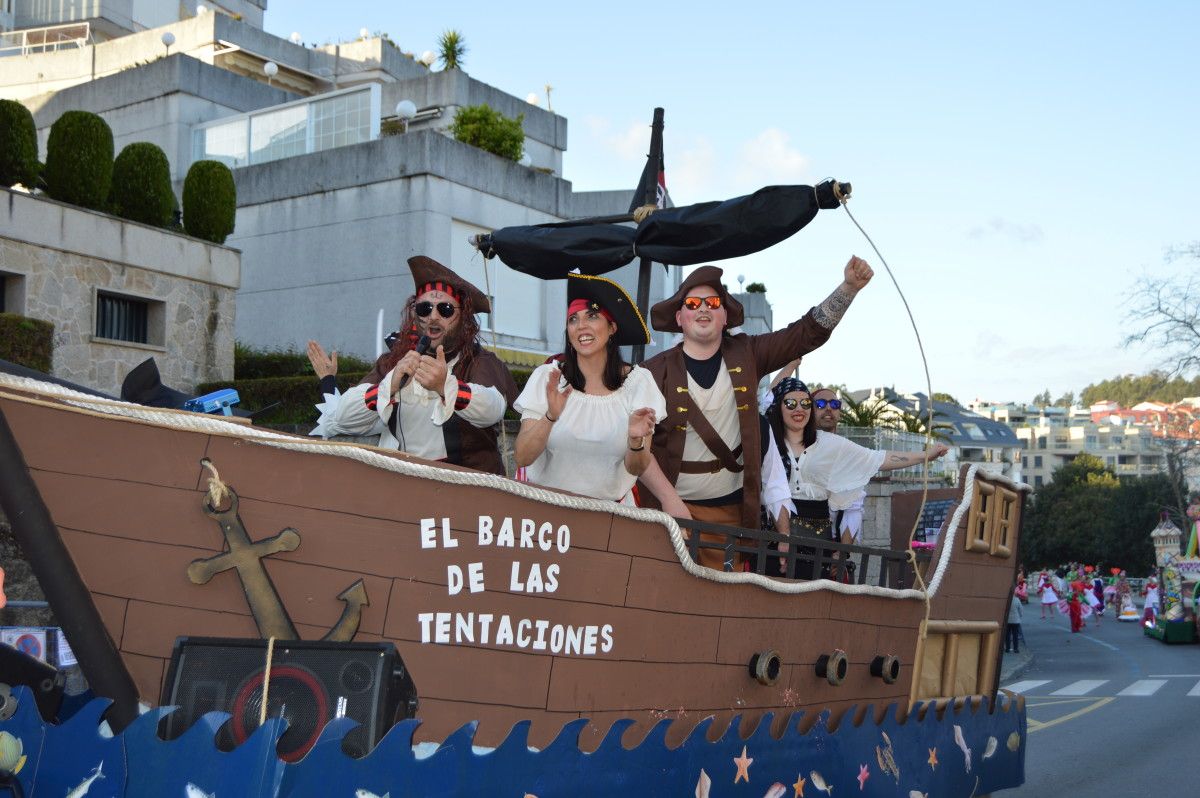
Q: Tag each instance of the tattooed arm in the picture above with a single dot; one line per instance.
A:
(858, 273)
(894, 460)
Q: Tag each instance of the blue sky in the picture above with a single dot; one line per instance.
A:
(1020, 165)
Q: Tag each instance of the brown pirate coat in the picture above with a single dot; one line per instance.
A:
(748, 358)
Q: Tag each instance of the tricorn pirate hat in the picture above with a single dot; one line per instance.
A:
(428, 274)
(604, 294)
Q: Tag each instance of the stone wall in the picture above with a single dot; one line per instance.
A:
(63, 255)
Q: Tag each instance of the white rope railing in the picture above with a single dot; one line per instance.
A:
(215, 425)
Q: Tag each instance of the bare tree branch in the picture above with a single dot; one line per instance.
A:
(1164, 313)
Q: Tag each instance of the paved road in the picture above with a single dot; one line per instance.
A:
(1111, 712)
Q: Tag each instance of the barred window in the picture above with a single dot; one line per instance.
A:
(122, 318)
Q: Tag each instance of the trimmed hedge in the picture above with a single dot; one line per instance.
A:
(297, 396)
(18, 145)
(209, 201)
(141, 185)
(486, 128)
(253, 364)
(26, 342)
(79, 160)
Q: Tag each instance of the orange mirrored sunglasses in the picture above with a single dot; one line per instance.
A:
(694, 302)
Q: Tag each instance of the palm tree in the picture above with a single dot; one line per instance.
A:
(451, 49)
(912, 422)
(870, 412)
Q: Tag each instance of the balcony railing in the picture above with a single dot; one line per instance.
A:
(45, 40)
(895, 441)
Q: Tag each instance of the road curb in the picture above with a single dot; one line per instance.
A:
(1013, 665)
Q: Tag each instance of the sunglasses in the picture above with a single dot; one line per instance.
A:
(444, 309)
(694, 302)
(791, 404)
(835, 404)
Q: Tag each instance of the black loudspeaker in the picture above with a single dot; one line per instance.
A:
(46, 682)
(311, 682)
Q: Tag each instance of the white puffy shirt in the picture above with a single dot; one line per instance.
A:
(833, 468)
(585, 452)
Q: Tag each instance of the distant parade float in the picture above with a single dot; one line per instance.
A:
(1178, 569)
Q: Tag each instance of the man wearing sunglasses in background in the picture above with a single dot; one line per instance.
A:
(443, 403)
(707, 461)
(827, 410)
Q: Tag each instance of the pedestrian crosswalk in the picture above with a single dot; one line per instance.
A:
(1139, 688)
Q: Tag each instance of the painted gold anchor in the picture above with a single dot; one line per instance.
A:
(265, 604)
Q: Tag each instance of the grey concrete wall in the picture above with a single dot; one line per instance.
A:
(64, 254)
(454, 88)
(325, 239)
(409, 155)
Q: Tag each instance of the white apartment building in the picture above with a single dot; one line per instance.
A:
(1053, 436)
(334, 192)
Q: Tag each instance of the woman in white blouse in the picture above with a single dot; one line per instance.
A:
(586, 420)
(825, 471)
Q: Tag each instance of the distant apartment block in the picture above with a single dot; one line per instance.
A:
(1128, 441)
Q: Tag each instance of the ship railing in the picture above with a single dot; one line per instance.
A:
(807, 557)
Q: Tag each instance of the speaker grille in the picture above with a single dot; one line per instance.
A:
(308, 683)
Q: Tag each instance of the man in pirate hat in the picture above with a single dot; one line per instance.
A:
(707, 452)
(437, 393)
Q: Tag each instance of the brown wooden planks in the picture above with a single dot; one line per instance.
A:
(54, 439)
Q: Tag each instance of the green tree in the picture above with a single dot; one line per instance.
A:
(1067, 400)
(209, 201)
(756, 288)
(938, 396)
(1128, 390)
(919, 424)
(79, 160)
(451, 49)
(141, 185)
(486, 128)
(867, 413)
(18, 145)
(1042, 399)
(1089, 515)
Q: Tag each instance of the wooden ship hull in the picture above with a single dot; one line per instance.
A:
(508, 603)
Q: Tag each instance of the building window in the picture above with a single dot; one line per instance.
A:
(1037, 461)
(132, 319)
(12, 293)
(1024, 462)
(1037, 481)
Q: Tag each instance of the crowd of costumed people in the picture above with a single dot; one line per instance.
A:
(1084, 592)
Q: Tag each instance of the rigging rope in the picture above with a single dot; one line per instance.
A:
(910, 552)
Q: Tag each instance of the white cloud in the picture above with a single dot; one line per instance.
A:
(1003, 228)
(769, 159)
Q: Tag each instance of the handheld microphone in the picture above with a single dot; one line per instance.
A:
(421, 348)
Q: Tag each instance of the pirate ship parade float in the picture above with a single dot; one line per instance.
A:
(336, 619)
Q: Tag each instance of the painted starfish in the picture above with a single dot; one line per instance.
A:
(933, 763)
(863, 775)
(743, 767)
(799, 786)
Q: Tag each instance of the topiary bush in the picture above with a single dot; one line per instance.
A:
(209, 201)
(486, 128)
(141, 185)
(79, 160)
(18, 145)
(26, 342)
